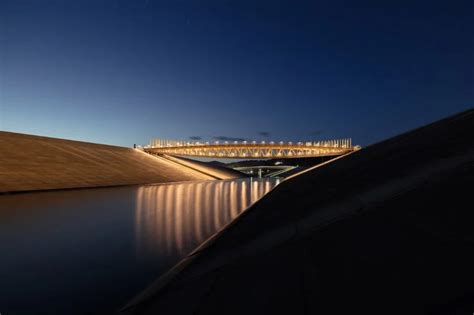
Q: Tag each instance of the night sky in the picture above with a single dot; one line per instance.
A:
(122, 72)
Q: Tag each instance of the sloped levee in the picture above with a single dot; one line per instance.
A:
(30, 163)
(385, 230)
(216, 171)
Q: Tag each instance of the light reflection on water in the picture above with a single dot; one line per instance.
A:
(173, 219)
(90, 251)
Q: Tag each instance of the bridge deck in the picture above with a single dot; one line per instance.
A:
(253, 150)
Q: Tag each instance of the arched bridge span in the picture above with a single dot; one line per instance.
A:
(251, 149)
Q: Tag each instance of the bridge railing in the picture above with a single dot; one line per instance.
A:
(166, 143)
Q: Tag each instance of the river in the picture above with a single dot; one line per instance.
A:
(89, 251)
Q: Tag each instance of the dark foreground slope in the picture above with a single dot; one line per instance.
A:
(38, 163)
(386, 230)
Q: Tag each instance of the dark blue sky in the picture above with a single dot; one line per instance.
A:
(122, 72)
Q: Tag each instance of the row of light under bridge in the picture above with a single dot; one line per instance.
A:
(251, 149)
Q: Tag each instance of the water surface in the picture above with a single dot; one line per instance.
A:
(90, 251)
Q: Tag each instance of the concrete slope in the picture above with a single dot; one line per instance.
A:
(38, 163)
(216, 171)
(385, 230)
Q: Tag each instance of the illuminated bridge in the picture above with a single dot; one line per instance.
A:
(251, 149)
